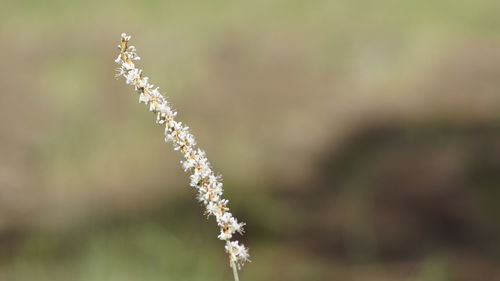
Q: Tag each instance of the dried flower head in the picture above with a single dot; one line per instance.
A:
(207, 184)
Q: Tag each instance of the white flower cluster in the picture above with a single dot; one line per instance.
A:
(203, 178)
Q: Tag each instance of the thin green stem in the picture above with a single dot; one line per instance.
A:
(235, 271)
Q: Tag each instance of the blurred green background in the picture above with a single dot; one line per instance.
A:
(359, 140)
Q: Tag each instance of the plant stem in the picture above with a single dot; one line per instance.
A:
(235, 271)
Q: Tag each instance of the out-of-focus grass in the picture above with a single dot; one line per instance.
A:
(167, 243)
(133, 252)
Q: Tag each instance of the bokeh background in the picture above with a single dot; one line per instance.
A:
(359, 140)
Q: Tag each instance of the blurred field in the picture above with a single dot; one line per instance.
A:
(359, 140)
